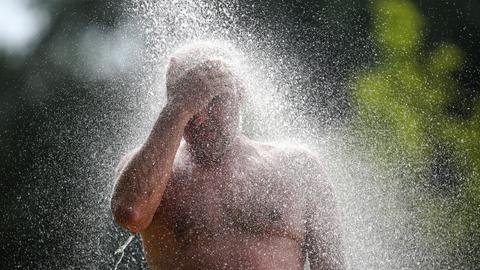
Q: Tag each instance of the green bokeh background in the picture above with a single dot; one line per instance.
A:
(401, 105)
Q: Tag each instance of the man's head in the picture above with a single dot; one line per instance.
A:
(212, 130)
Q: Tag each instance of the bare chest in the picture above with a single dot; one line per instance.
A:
(253, 202)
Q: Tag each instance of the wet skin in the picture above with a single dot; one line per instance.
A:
(246, 213)
(220, 200)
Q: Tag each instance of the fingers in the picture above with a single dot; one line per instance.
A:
(222, 85)
(216, 77)
(211, 69)
(202, 83)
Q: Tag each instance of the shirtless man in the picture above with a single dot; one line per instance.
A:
(219, 200)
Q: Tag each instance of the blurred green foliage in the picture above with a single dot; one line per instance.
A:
(401, 106)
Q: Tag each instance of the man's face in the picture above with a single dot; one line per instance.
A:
(211, 131)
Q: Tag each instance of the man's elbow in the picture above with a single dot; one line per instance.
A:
(129, 217)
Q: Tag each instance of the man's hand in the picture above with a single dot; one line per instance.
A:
(194, 90)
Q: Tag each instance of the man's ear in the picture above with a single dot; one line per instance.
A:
(241, 98)
(174, 70)
(173, 64)
(174, 60)
(241, 92)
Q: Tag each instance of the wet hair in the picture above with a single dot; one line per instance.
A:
(195, 53)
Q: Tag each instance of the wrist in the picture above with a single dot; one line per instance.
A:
(177, 110)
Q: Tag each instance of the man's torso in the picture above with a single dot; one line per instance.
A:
(247, 215)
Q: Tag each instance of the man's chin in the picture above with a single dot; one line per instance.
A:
(208, 154)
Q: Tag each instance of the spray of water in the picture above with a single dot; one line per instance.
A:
(377, 224)
(121, 250)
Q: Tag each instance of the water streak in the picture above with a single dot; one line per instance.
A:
(121, 250)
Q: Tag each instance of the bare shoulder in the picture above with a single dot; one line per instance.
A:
(294, 155)
(299, 164)
(299, 160)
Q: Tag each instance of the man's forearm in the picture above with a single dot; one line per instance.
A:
(143, 180)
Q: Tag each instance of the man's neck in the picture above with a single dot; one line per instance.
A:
(222, 160)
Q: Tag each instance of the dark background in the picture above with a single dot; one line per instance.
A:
(61, 134)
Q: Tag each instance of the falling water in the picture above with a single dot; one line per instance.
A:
(121, 250)
(381, 232)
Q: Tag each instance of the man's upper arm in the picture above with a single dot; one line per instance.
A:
(324, 243)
